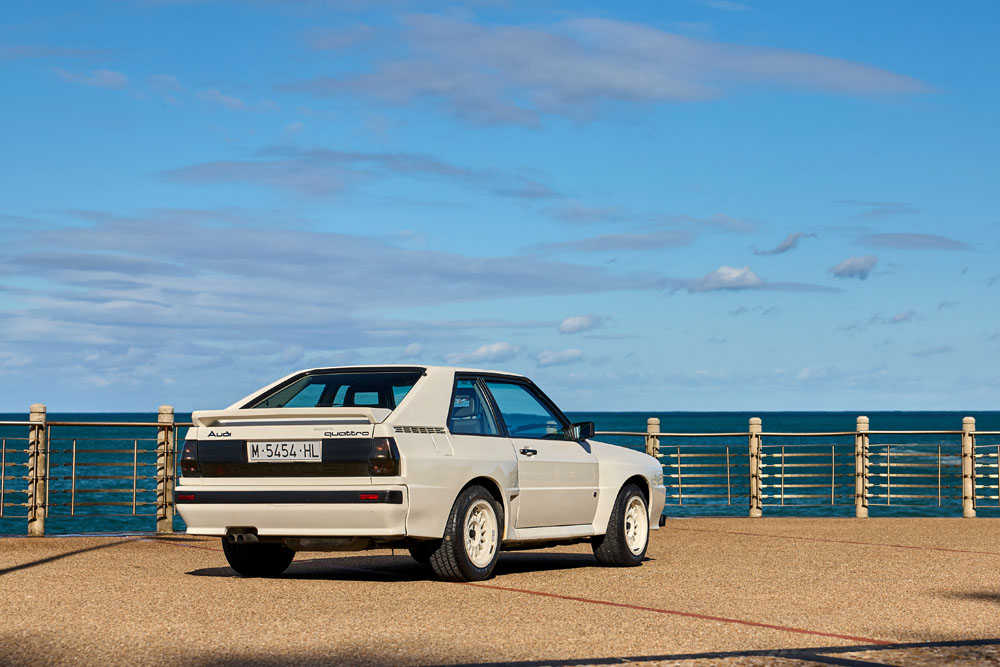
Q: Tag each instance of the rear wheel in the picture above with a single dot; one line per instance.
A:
(258, 560)
(624, 544)
(471, 543)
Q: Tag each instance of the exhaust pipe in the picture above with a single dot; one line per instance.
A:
(242, 537)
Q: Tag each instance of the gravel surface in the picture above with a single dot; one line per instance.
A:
(771, 591)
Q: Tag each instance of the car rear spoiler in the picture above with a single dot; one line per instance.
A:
(262, 416)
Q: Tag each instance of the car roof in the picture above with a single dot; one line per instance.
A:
(406, 367)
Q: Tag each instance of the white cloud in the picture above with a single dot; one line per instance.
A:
(322, 171)
(576, 213)
(14, 361)
(515, 73)
(578, 323)
(165, 83)
(881, 209)
(213, 96)
(557, 357)
(490, 352)
(412, 350)
(905, 316)
(855, 267)
(633, 241)
(98, 78)
(911, 241)
(790, 243)
(157, 282)
(727, 278)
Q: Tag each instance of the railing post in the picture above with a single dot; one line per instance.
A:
(165, 438)
(968, 467)
(37, 470)
(861, 469)
(652, 441)
(756, 488)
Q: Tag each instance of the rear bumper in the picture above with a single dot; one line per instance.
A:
(341, 512)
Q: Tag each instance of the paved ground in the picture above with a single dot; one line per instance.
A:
(713, 592)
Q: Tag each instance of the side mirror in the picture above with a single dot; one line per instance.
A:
(581, 431)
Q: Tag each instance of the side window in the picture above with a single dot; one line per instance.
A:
(307, 398)
(524, 413)
(470, 414)
(400, 392)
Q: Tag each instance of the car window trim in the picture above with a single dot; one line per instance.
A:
(476, 379)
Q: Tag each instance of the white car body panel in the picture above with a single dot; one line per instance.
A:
(566, 491)
(558, 483)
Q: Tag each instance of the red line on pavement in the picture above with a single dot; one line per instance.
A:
(820, 539)
(607, 603)
(687, 614)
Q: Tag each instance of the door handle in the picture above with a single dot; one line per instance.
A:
(529, 452)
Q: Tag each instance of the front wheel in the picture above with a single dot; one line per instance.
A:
(471, 543)
(258, 560)
(624, 544)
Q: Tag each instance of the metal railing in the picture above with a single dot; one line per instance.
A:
(806, 474)
(76, 468)
(69, 469)
(838, 468)
(13, 457)
(987, 470)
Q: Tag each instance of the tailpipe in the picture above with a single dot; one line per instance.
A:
(242, 536)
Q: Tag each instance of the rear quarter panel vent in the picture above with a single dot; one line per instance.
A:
(418, 429)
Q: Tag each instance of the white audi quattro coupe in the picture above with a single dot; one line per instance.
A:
(452, 464)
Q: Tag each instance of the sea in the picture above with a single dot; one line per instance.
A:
(133, 449)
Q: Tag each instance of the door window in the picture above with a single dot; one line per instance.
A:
(524, 413)
(470, 414)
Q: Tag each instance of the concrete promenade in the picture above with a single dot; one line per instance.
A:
(771, 591)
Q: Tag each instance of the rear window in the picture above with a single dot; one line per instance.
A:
(337, 390)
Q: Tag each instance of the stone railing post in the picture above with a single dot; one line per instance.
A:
(861, 469)
(756, 487)
(165, 439)
(969, 467)
(652, 441)
(38, 456)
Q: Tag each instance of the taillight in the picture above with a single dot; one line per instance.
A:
(384, 458)
(189, 459)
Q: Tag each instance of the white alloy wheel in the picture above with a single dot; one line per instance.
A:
(480, 533)
(470, 546)
(636, 525)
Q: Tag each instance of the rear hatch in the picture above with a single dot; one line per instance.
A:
(282, 446)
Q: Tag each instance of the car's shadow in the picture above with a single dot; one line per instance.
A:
(403, 568)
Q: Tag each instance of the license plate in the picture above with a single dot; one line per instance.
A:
(296, 450)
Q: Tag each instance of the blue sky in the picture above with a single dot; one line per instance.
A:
(674, 205)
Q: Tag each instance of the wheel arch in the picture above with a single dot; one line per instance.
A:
(494, 489)
(609, 494)
(643, 485)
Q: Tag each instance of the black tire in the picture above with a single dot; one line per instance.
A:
(258, 560)
(451, 560)
(612, 548)
(421, 552)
